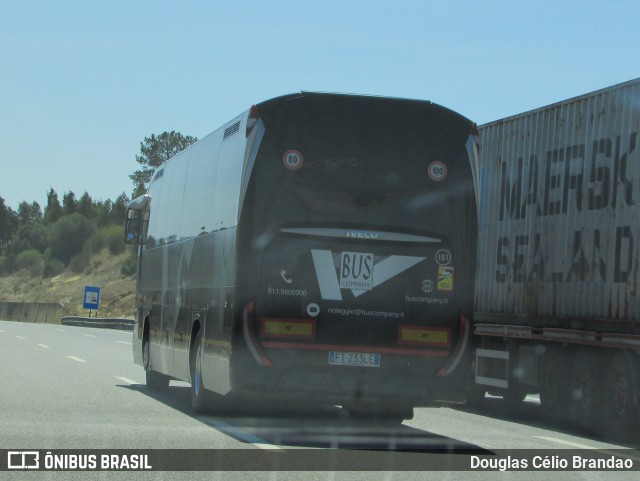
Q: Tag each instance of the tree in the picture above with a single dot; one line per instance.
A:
(85, 206)
(102, 212)
(8, 226)
(29, 213)
(154, 151)
(53, 211)
(31, 261)
(30, 237)
(68, 235)
(119, 209)
(69, 203)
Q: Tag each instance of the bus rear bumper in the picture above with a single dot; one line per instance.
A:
(349, 385)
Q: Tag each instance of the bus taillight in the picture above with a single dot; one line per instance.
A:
(288, 328)
(424, 336)
(248, 330)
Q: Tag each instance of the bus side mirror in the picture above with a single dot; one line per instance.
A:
(134, 228)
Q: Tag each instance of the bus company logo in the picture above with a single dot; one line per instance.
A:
(358, 272)
(292, 159)
(437, 171)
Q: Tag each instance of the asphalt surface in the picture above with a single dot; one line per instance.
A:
(65, 387)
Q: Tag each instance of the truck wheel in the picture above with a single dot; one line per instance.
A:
(475, 396)
(552, 382)
(622, 397)
(199, 398)
(155, 380)
(515, 395)
(585, 390)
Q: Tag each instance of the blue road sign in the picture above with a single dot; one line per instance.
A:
(91, 298)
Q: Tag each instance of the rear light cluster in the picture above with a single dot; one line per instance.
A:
(424, 336)
(248, 329)
(288, 328)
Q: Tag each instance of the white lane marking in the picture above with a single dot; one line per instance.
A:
(20, 337)
(126, 380)
(566, 443)
(124, 342)
(89, 335)
(77, 359)
(242, 436)
(45, 346)
(61, 330)
(585, 446)
(2, 331)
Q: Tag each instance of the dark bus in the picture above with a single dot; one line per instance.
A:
(319, 247)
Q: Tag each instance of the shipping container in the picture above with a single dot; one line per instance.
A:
(557, 297)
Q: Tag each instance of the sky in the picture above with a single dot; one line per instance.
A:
(82, 83)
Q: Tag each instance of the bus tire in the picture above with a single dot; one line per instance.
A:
(155, 380)
(391, 414)
(199, 398)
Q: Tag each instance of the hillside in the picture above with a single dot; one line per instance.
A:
(117, 291)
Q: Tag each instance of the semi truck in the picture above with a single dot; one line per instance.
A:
(558, 278)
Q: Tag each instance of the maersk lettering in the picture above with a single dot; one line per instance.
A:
(592, 176)
(599, 175)
(623, 255)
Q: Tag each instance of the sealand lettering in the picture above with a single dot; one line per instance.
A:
(525, 258)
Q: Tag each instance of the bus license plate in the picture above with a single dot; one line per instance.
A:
(367, 359)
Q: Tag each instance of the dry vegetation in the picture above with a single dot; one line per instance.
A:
(117, 290)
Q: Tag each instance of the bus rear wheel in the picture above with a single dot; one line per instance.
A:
(199, 397)
(155, 380)
(365, 412)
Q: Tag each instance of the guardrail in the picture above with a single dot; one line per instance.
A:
(98, 322)
(56, 313)
(40, 312)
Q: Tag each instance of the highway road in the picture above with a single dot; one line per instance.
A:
(77, 388)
